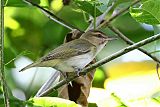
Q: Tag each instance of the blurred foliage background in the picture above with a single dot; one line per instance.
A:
(128, 81)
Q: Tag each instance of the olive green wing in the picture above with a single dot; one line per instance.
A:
(70, 49)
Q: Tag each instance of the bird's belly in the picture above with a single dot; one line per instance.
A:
(80, 61)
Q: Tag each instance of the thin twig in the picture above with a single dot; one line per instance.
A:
(103, 61)
(128, 41)
(118, 99)
(52, 16)
(100, 18)
(157, 68)
(2, 74)
(106, 22)
(94, 21)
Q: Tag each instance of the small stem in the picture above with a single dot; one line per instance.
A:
(100, 18)
(119, 100)
(2, 74)
(94, 16)
(84, 16)
(154, 51)
(6, 3)
(157, 67)
(103, 61)
(106, 22)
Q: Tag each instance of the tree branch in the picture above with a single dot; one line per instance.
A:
(103, 61)
(128, 41)
(106, 22)
(52, 16)
(2, 74)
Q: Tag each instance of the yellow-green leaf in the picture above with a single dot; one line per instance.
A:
(52, 102)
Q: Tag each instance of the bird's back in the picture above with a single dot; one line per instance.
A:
(67, 50)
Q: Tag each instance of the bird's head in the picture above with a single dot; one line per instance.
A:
(97, 37)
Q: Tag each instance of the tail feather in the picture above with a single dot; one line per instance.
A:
(29, 66)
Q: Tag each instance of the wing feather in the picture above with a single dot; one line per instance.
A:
(70, 49)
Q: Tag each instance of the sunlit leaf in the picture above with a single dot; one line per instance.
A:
(99, 78)
(148, 13)
(52, 102)
(56, 5)
(143, 16)
(88, 6)
(21, 3)
(135, 85)
(15, 3)
(103, 98)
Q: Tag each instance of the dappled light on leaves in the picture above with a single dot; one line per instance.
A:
(134, 83)
(9, 22)
(127, 68)
(56, 5)
(52, 102)
(104, 98)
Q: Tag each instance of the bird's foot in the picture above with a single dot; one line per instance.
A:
(77, 70)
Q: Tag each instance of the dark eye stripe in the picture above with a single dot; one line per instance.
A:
(99, 35)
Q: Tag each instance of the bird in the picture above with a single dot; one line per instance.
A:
(73, 56)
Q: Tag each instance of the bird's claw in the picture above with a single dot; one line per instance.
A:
(77, 70)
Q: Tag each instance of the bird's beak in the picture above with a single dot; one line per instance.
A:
(111, 38)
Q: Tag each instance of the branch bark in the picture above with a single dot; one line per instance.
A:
(103, 61)
(2, 74)
(128, 41)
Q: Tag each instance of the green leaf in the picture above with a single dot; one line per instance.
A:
(88, 6)
(15, 3)
(18, 3)
(104, 5)
(156, 43)
(9, 57)
(156, 29)
(157, 99)
(148, 13)
(13, 102)
(52, 102)
(143, 16)
(144, 0)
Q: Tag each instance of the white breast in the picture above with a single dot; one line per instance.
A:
(80, 61)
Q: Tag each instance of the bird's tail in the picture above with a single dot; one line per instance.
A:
(29, 66)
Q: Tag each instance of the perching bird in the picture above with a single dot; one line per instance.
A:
(73, 56)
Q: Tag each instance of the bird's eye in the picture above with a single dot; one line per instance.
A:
(99, 35)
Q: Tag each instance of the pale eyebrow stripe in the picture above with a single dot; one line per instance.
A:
(95, 33)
